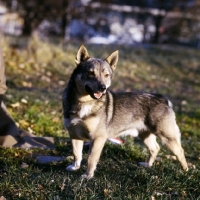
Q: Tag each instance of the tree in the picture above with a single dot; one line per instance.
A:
(35, 11)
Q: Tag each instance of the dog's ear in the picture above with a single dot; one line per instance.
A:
(113, 59)
(82, 55)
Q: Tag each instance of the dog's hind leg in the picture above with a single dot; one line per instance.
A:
(153, 148)
(178, 151)
(77, 146)
(171, 137)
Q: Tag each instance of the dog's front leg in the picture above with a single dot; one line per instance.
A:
(77, 146)
(96, 147)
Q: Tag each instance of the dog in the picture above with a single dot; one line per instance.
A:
(92, 112)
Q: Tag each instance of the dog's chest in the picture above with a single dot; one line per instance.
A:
(82, 122)
(79, 115)
(85, 110)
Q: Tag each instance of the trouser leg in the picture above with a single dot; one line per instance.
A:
(7, 123)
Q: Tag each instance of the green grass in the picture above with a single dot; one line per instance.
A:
(36, 77)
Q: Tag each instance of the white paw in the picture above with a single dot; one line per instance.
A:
(85, 176)
(72, 167)
(144, 164)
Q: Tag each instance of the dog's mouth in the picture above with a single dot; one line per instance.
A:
(98, 95)
(94, 95)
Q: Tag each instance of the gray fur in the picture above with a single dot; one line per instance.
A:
(92, 112)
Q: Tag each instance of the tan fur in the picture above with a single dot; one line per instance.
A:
(93, 113)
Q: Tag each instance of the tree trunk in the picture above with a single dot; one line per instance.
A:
(27, 28)
(158, 21)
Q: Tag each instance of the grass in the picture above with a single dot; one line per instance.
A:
(37, 74)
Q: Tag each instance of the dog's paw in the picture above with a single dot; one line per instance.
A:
(144, 164)
(86, 176)
(72, 167)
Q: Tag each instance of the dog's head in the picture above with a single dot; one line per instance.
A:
(93, 75)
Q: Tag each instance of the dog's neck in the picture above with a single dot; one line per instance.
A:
(75, 102)
(84, 98)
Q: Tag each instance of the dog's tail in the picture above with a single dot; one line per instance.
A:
(169, 103)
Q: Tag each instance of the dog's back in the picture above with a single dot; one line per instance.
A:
(94, 113)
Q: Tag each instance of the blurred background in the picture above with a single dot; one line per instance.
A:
(105, 21)
(158, 40)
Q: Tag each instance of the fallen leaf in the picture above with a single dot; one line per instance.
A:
(52, 181)
(184, 193)
(12, 64)
(24, 165)
(16, 154)
(62, 187)
(21, 66)
(48, 73)
(54, 112)
(40, 187)
(24, 101)
(61, 83)
(17, 124)
(154, 177)
(46, 78)
(184, 102)
(105, 191)
(9, 96)
(171, 157)
(160, 193)
(70, 158)
(56, 119)
(15, 105)
(30, 130)
(27, 84)
(191, 165)
(23, 123)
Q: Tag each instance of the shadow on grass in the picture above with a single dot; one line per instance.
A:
(117, 176)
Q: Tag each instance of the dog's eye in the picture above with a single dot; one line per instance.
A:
(90, 73)
(107, 75)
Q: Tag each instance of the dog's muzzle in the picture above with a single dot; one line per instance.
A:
(96, 94)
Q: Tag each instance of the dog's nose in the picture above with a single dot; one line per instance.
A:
(102, 87)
